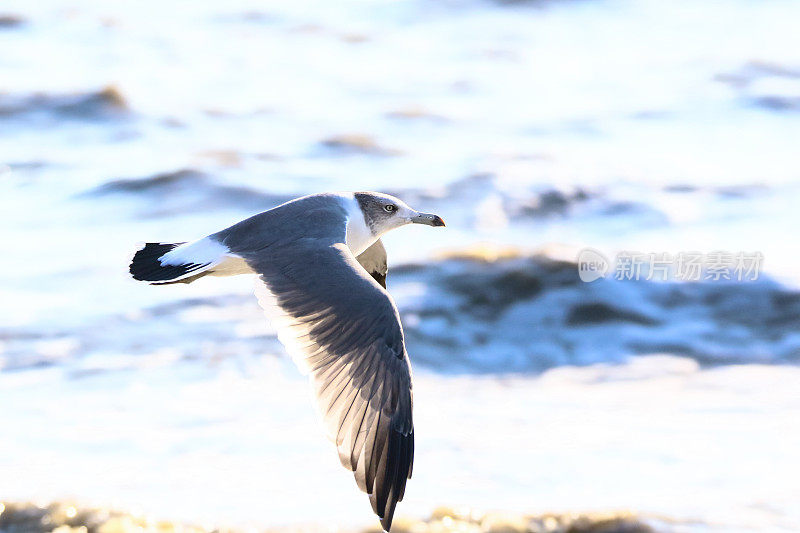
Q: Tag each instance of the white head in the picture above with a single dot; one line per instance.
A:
(383, 212)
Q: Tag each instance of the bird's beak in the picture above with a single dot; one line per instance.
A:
(427, 218)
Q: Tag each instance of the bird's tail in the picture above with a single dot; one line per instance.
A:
(148, 264)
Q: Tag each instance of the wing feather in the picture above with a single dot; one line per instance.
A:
(342, 328)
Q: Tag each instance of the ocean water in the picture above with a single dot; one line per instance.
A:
(534, 128)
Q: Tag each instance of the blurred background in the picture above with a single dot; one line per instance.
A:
(534, 128)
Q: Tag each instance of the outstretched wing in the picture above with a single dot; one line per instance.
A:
(373, 259)
(342, 328)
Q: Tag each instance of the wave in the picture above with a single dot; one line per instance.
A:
(528, 313)
(767, 85)
(186, 190)
(104, 104)
(488, 198)
(10, 21)
(470, 314)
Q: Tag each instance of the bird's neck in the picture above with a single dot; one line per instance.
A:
(359, 236)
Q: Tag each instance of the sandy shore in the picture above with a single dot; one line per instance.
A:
(66, 517)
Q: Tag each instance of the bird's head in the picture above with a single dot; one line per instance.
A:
(383, 212)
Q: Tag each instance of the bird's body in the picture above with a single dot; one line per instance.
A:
(322, 270)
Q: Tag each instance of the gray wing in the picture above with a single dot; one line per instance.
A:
(344, 330)
(373, 259)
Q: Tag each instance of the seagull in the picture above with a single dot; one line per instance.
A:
(321, 279)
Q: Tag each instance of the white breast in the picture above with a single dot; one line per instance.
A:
(359, 237)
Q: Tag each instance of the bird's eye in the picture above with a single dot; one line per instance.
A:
(390, 208)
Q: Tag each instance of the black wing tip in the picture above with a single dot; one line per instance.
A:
(145, 261)
(384, 498)
(386, 523)
(386, 515)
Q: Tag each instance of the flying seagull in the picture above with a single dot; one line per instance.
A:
(321, 271)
